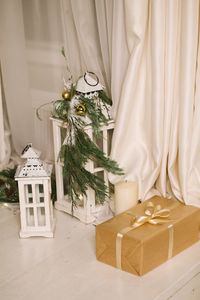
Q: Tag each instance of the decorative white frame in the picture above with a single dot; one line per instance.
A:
(89, 212)
(35, 229)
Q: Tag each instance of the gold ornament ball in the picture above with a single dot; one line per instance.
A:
(80, 110)
(66, 95)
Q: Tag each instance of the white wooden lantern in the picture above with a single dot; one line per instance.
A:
(87, 211)
(34, 183)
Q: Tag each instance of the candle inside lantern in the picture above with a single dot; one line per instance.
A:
(126, 196)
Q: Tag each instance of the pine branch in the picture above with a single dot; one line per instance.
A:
(8, 186)
(89, 150)
(94, 112)
(75, 156)
(61, 110)
(105, 99)
(77, 178)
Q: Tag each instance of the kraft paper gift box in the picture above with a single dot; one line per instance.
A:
(130, 243)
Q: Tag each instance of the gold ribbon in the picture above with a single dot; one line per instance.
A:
(154, 215)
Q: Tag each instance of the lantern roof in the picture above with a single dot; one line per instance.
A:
(33, 166)
(29, 151)
(88, 84)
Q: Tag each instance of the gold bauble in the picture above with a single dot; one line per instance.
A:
(66, 95)
(80, 109)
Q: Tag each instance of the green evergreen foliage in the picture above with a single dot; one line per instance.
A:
(95, 113)
(62, 108)
(104, 98)
(78, 147)
(89, 150)
(8, 186)
(74, 156)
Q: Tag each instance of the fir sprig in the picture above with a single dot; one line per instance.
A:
(62, 109)
(104, 98)
(74, 155)
(94, 112)
(8, 186)
(89, 150)
(78, 179)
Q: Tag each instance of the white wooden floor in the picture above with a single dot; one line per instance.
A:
(65, 267)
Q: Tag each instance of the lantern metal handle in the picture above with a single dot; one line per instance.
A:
(92, 73)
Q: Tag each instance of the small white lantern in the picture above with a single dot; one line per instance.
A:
(34, 183)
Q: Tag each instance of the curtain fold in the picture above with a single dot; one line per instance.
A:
(8, 157)
(3, 158)
(32, 68)
(149, 58)
(82, 41)
(147, 55)
(15, 74)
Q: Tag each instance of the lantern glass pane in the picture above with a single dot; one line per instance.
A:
(80, 201)
(28, 193)
(29, 186)
(39, 193)
(41, 188)
(109, 143)
(111, 188)
(41, 216)
(99, 142)
(63, 134)
(65, 186)
(101, 175)
(30, 221)
(30, 200)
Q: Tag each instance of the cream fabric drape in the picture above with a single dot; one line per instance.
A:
(95, 39)
(3, 160)
(8, 157)
(5, 134)
(145, 52)
(14, 72)
(30, 52)
(162, 87)
(148, 54)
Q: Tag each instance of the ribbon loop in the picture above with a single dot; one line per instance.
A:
(153, 214)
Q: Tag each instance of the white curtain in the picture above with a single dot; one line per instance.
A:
(94, 37)
(32, 69)
(145, 52)
(3, 158)
(8, 157)
(14, 72)
(161, 92)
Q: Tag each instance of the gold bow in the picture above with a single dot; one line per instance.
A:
(154, 215)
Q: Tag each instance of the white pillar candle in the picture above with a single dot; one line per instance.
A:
(126, 196)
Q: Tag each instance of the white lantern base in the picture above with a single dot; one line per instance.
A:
(97, 214)
(38, 233)
(49, 234)
(78, 212)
